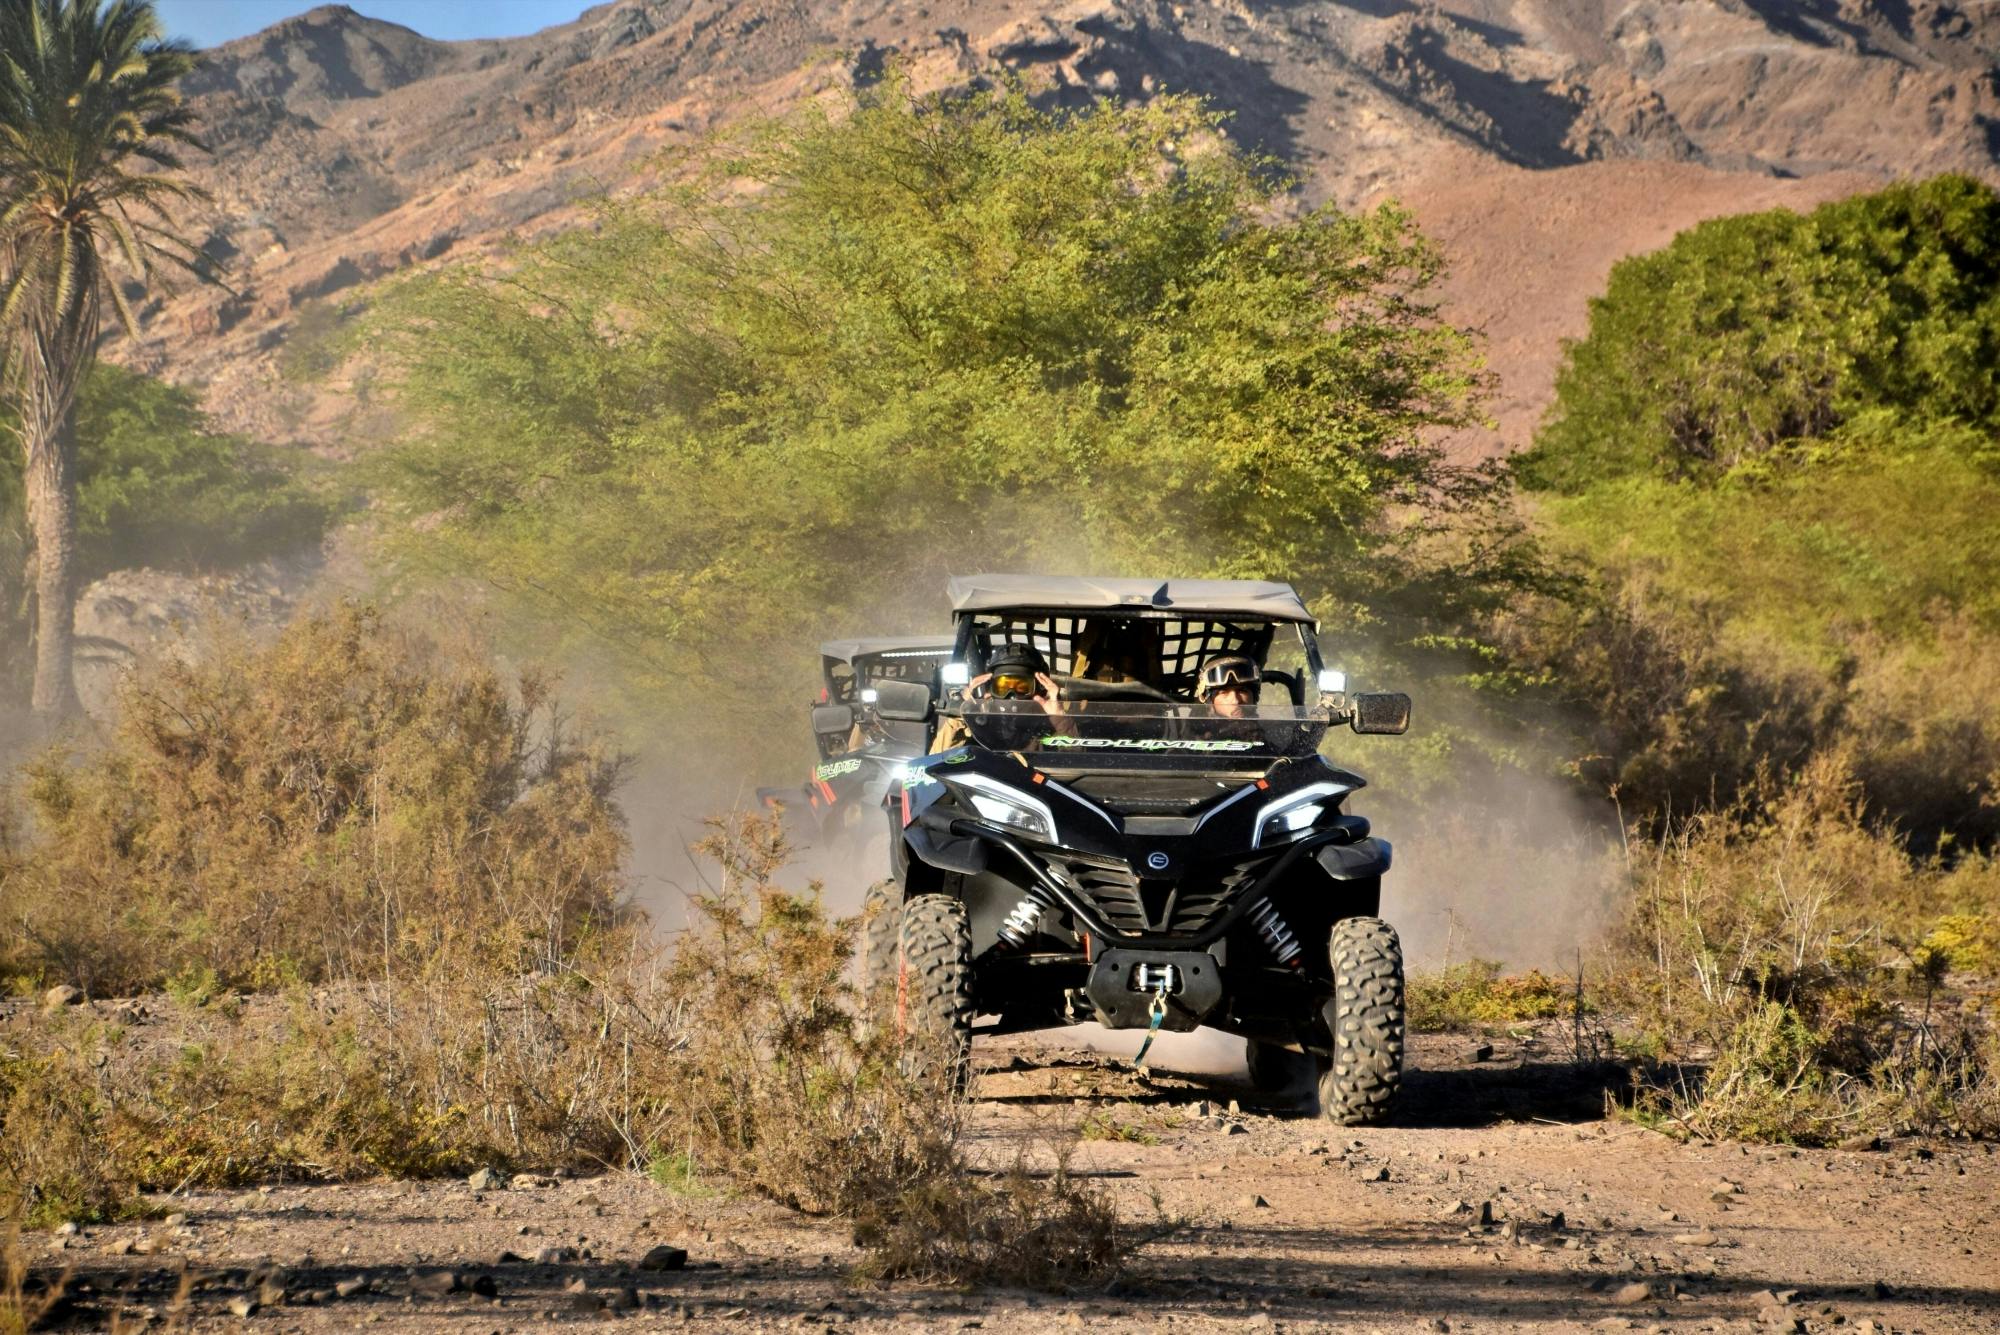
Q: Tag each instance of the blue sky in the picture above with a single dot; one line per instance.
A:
(207, 22)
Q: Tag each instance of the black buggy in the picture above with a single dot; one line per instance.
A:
(1124, 854)
(861, 754)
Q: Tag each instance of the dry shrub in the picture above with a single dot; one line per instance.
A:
(1477, 993)
(1813, 958)
(343, 802)
(416, 874)
(779, 1088)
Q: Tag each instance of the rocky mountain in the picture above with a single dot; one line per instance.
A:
(1540, 140)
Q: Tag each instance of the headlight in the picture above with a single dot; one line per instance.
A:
(1294, 812)
(1002, 805)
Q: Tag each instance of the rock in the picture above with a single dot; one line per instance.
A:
(176, 1219)
(1636, 1292)
(1861, 1142)
(1479, 1052)
(1486, 1214)
(1440, 1325)
(664, 1258)
(1379, 1175)
(244, 1305)
(511, 1258)
(1253, 1202)
(61, 995)
(1701, 1239)
(555, 1255)
(486, 1180)
(529, 1182)
(1781, 1318)
(1557, 1222)
(586, 1304)
(589, 1199)
(316, 1297)
(437, 1283)
(1457, 1208)
(67, 1229)
(1235, 1129)
(350, 1288)
(625, 1300)
(485, 1286)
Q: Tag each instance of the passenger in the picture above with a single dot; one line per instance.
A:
(1230, 685)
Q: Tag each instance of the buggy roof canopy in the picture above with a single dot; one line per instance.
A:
(915, 645)
(1262, 600)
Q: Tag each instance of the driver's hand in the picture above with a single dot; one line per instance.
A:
(1050, 700)
(972, 690)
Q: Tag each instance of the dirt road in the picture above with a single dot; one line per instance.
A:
(1502, 1200)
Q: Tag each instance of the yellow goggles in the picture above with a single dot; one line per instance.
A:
(1013, 684)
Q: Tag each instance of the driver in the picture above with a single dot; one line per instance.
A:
(1015, 672)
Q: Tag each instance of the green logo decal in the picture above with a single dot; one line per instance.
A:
(1148, 744)
(833, 769)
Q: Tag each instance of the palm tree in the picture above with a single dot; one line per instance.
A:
(90, 121)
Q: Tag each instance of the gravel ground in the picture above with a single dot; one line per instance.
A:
(1501, 1200)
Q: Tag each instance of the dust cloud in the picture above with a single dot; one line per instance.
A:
(1525, 875)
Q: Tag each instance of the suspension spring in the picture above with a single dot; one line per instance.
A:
(1019, 927)
(1278, 938)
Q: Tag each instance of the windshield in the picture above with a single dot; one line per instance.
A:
(1092, 729)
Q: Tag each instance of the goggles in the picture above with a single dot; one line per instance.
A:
(1221, 676)
(1013, 685)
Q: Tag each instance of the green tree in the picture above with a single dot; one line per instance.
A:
(1760, 333)
(90, 121)
(846, 351)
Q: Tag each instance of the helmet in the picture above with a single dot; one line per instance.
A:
(1018, 655)
(1014, 668)
(1228, 670)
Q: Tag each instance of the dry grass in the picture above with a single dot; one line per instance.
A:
(1832, 983)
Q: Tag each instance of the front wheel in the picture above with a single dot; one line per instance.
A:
(934, 988)
(1359, 1085)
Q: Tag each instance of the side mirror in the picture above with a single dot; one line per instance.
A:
(832, 718)
(903, 701)
(1380, 711)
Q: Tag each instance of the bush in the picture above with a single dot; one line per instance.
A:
(345, 802)
(1476, 993)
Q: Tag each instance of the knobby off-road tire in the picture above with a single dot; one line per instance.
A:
(1358, 1087)
(934, 989)
(881, 926)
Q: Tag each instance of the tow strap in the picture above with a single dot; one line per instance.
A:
(1157, 1011)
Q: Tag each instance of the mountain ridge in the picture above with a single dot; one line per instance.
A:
(1538, 142)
